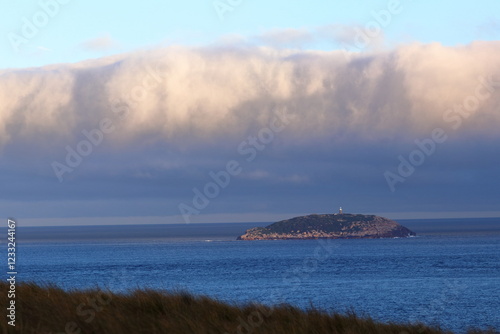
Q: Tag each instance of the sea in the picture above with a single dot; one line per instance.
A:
(448, 275)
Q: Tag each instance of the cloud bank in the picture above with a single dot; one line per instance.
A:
(195, 95)
(173, 114)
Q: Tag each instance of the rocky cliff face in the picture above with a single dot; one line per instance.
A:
(329, 226)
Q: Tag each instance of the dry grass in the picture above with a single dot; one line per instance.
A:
(49, 309)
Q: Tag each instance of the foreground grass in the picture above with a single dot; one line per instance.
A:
(49, 309)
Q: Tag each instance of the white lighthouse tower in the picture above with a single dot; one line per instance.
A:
(340, 211)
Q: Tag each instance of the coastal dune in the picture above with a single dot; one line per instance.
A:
(50, 309)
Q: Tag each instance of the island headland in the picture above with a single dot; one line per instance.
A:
(330, 226)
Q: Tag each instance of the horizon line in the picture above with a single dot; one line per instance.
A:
(233, 218)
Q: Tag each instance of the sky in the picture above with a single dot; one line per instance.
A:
(225, 111)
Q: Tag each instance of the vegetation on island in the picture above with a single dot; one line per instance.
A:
(330, 226)
(49, 309)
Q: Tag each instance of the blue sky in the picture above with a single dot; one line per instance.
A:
(312, 105)
(80, 30)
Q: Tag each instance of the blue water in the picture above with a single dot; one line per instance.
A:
(445, 277)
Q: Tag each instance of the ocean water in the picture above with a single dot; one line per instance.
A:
(448, 275)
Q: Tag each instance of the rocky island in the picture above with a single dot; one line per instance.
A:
(330, 226)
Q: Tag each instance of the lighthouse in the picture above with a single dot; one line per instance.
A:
(340, 211)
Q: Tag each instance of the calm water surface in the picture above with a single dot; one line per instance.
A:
(448, 275)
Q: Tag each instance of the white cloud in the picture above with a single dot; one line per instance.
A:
(286, 37)
(101, 43)
(205, 96)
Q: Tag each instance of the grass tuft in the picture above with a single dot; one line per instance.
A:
(44, 309)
